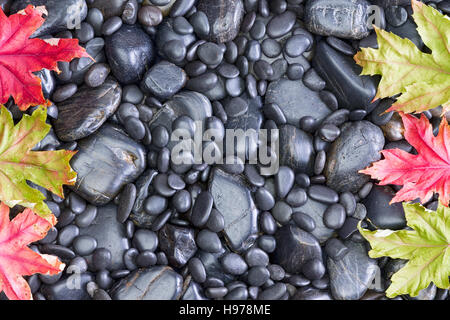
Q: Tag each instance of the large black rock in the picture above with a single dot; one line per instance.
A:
(130, 53)
(87, 110)
(342, 75)
(356, 148)
(105, 162)
(178, 243)
(296, 149)
(109, 8)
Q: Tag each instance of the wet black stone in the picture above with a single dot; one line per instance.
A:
(382, 214)
(351, 276)
(357, 147)
(309, 293)
(155, 283)
(87, 110)
(164, 80)
(62, 14)
(341, 18)
(224, 16)
(343, 78)
(130, 53)
(294, 248)
(281, 24)
(296, 100)
(232, 197)
(178, 244)
(105, 162)
(296, 149)
(109, 8)
(109, 233)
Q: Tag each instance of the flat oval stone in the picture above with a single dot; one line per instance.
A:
(164, 80)
(281, 24)
(224, 16)
(296, 100)
(340, 18)
(87, 110)
(155, 283)
(357, 147)
(106, 161)
(232, 197)
(130, 53)
(343, 78)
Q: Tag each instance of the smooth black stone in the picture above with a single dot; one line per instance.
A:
(216, 221)
(256, 257)
(314, 269)
(65, 289)
(396, 15)
(304, 221)
(382, 214)
(296, 149)
(145, 240)
(135, 128)
(97, 75)
(258, 275)
(323, 194)
(110, 234)
(178, 244)
(111, 25)
(164, 80)
(232, 263)
(181, 201)
(62, 14)
(313, 81)
(232, 197)
(109, 8)
(335, 249)
(209, 241)
(166, 33)
(282, 212)
(347, 199)
(274, 292)
(155, 205)
(316, 211)
(253, 176)
(101, 258)
(199, 22)
(271, 48)
(334, 216)
(357, 147)
(106, 161)
(155, 283)
(126, 202)
(341, 18)
(297, 45)
(210, 53)
(284, 180)
(182, 26)
(202, 83)
(343, 78)
(84, 245)
(296, 100)
(228, 71)
(224, 16)
(349, 228)
(341, 45)
(130, 53)
(351, 276)
(294, 248)
(87, 110)
(281, 24)
(197, 270)
(264, 199)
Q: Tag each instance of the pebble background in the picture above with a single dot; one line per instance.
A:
(138, 226)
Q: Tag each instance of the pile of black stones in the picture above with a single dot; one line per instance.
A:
(138, 226)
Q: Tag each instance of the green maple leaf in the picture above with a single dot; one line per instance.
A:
(48, 169)
(422, 79)
(427, 248)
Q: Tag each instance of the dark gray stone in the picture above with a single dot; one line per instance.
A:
(296, 149)
(72, 287)
(130, 53)
(351, 276)
(232, 197)
(178, 243)
(342, 75)
(156, 283)
(110, 234)
(87, 110)
(340, 18)
(106, 161)
(382, 214)
(109, 8)
(164, 80)
(224, 16)
(296, 100)
(294, 248)
(356, 148)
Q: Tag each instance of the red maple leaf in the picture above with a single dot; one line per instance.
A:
(20, 56)
(423, 174)
(16, 259)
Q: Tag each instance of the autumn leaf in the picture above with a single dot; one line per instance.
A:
(422, 79)
(20, 56)
(423, 174)
(16, 259)
(427, 247)
(49, 169)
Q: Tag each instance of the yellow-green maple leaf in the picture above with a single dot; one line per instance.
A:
(427, 248)
(48, 169)
(422, 79)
